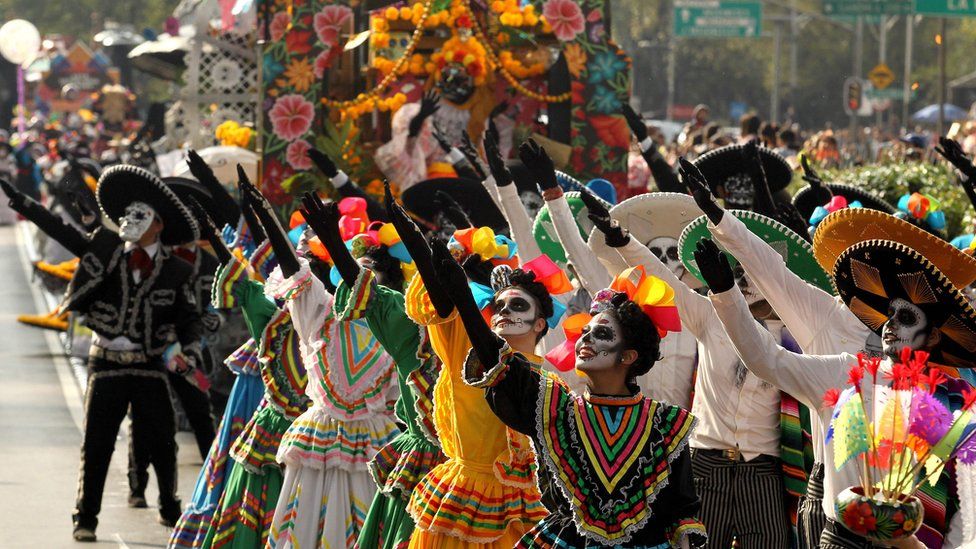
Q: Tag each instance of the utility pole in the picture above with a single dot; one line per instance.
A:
(942, 76)
(672, 70)
(857, 69)
(774, 106)
(907, 83)
(882, 58)
(794, 53)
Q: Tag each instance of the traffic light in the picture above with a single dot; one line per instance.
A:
(853, 95)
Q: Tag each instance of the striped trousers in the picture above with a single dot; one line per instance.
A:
(810, 516)
(836, 536)
(741, 500)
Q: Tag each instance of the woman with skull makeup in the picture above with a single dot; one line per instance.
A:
(485, 494)
(325, 452)
(899, 294)
(610, 446)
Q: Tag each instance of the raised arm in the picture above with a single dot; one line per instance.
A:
(324, 221)
(208, 230)
(50, 224)
(952, 151)
(283, 250)
(253, 225)
(202, 172)
(418, 249)
(345, 186)
(664, 176)
(518, 219)
(806, 377)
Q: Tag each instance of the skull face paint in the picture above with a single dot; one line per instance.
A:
(739, 192)
(456, 84)
(136, 221)
(906, 327)
(600, 344)
(666, 249)
(748, 289)
(515, 313)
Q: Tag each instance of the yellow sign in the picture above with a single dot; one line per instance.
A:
(881, 76)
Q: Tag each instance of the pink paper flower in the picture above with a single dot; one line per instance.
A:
(279, 25)
(330, 21)
(291, 116)
(295, 154)
(322, 62)
(565, 17)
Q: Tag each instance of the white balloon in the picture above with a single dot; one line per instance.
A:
(19, 41)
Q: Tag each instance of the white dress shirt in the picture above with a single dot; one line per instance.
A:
(122, 343)
(821, 323)
(730, 416)
(807, 378)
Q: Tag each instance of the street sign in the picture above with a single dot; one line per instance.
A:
(946, 8)
(881, 76)
(728, 20)
(853, 95)
(895, 94)
(867, 7)
(696, 3)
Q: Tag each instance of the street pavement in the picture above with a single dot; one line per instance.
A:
(40, 434)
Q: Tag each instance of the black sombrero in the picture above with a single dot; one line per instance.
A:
(725, 163)
(221, 208)
(807, 199)
(471, 195)
(124, 184)
(871, 274)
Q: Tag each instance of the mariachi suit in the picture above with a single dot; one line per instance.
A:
(153, 313)
(194, 400)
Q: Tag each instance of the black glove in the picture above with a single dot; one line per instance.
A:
(471, 154)
(413, 240)
(498, 110)
(952, 151)
(323, 162)
(208, 230)
(762, 202)
(428, 106)
(17, 199)
(539, 164)
(495, 162)
(324, 221)
(613, 234)
(695, 181)
(200, 169)
(439, 136)
(809, 174)
(636, 123)
(714, 267)
(211, 321)
(253, 225)
(452, 210)
(484, 342)
(283, 250)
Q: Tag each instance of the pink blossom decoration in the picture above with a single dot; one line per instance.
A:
(279, 25)
(291, 116)
(565, 17)
(330, 21)
(295, 154)
(322, 62)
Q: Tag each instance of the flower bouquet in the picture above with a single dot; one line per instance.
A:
(902, 436)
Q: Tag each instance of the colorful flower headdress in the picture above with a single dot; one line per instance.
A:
(467, 52)
(923, 207)
(498, 249)
(907, 435)
(653, 295)
(546, 273)
(837, 202)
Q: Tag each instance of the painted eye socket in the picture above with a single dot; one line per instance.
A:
(673, 253)
(603, 333)
(518, 305)
(906, 317)
(658, 252)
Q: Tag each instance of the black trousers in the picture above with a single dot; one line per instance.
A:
(112, 389)
(196, 404)
(741, 500)
(811, 518)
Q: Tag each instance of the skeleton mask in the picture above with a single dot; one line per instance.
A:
(666, 249)
(748, 289)
(906, 327)
(455, 84)
(136, 221)
(739, 192)
(600, 344)
(533, 202)
(515, 312)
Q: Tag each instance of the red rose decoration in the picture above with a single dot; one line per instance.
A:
(298, 42)
(612, 130)
(860, 518)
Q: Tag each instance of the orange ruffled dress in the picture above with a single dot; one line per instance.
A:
(486, 491)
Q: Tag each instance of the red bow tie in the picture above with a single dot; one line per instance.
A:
(139, 261)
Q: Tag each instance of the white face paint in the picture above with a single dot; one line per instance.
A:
(906, 327)
(136, 221)
(748, 289)
(666, 249)
(600, 344)
(515, 313)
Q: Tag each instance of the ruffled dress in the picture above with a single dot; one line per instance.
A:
(244, 513)
(485, 493)
(245, 396)
(621, 464)
(327, 486)
(402, 463)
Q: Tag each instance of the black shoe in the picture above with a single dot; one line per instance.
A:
(168, 522)
(138, 502)
(84, 534)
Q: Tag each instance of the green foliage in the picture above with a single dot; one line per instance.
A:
(83, 18)
(891, 181)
